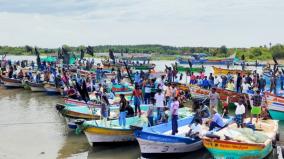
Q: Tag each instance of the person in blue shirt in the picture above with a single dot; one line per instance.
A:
(205, 83)
(137, 78)
(281, 81)
(216, 121)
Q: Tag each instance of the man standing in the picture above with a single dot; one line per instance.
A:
(159, 98)
(174, 112)
(214, 99)
(262, 84)
(281, 80)
(137, 94)
(273, 84)
(256, 108)
(239, 83)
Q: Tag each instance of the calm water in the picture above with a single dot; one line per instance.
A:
(30, 127)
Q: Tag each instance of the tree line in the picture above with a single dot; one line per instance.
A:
(253, 53)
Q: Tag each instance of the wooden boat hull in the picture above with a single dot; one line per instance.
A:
(11, 83)
(221, 71)
(36, 87)
(52, 90)
(108, 135)
(223, 93)
(235, 150)
(71, 115)
(275, 106)
(276, 115)
(152, 148)
(158, 144)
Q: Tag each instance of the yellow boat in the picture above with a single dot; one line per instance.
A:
(243, 143)
(222, 71)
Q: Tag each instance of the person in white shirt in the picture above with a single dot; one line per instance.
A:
(240, 112)
(159, 98)
(195, 129)
(246, 86)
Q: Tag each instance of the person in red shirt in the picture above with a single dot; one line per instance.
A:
(137, 94)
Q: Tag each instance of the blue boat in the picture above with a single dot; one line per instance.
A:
(157, 140)
(201, 61)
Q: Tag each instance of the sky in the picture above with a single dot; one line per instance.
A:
(211, 23)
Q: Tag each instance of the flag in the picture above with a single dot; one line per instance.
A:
(82, 54)
(90, 50)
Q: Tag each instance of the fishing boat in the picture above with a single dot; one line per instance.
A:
(75, 102)
(157, 141)
(222, 71)
(109, 132)
(203, 61)
(275, 105)
(136, 66)
(71, 113)
(242, 143)
(11, 82)
(51, 89)
(97, 131)
(36, 87)
(120, 88)
(190, 69)
(225, 95)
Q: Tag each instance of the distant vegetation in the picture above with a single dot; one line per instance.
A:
(254, 53)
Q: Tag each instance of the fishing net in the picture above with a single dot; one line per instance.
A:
(244, 135)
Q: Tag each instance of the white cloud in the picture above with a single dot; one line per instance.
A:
(51, 23)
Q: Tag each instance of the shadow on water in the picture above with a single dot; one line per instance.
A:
(74, 146)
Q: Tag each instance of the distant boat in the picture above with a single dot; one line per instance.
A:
(227, 61)
(190, 69)
(222, 71)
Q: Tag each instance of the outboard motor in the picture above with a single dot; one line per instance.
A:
(59, 107)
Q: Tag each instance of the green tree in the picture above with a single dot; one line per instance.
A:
(223, 50)
(278, 51)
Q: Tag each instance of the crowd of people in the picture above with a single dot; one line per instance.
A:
(161, 93)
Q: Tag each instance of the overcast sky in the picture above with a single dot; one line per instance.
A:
(52, 23)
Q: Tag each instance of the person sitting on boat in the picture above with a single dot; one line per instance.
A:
(72, 93)
(195, 129)
(240, 112)
(217, 121)
(20, 75)
(256, 108)
(129, 110)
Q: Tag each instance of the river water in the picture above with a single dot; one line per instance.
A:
(31, 128)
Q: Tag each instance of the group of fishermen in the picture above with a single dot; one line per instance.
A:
(162, 93)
